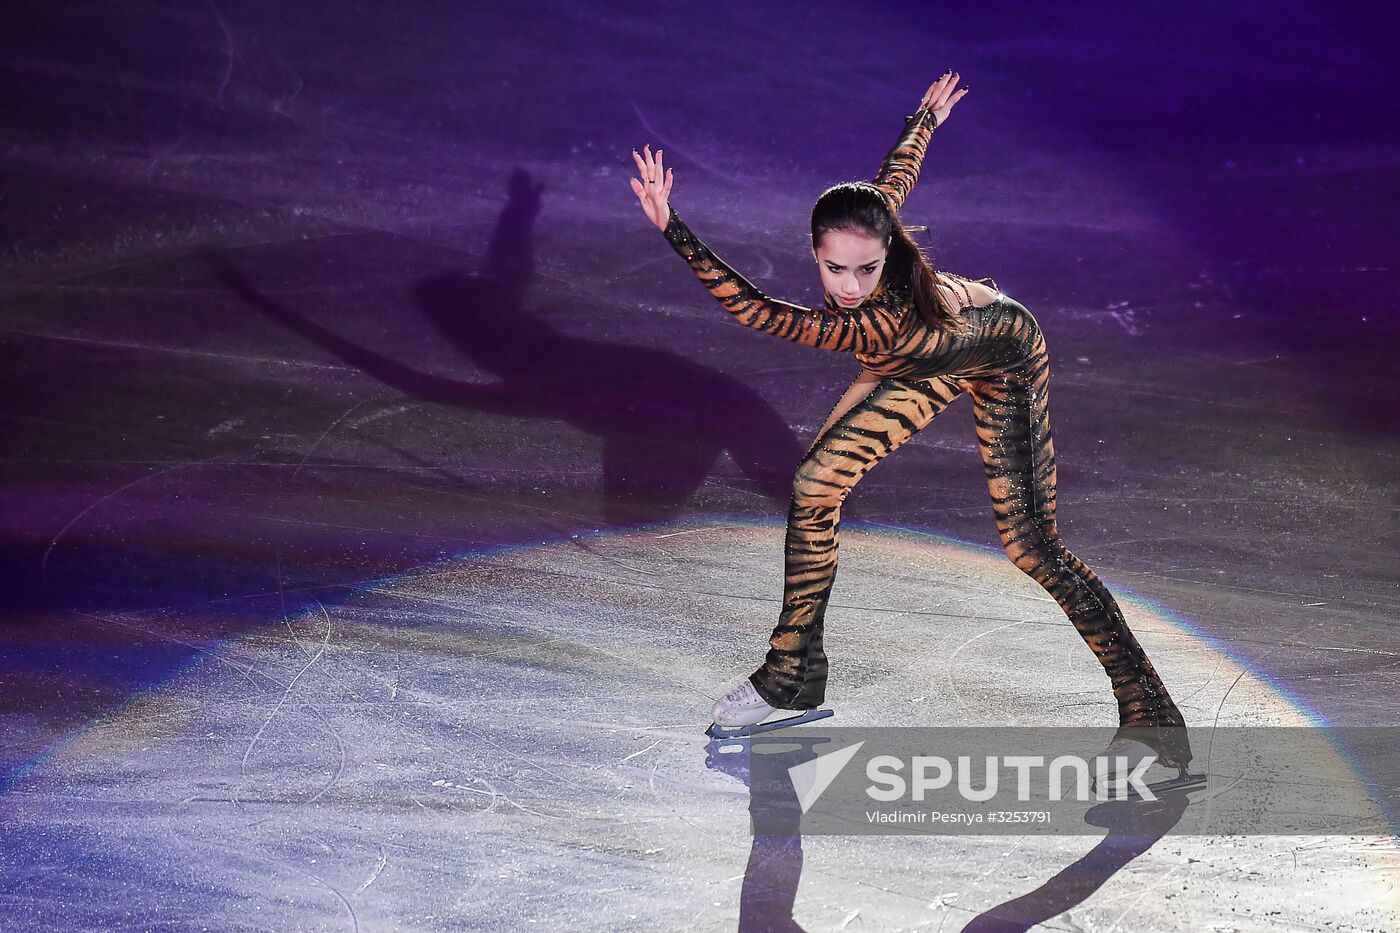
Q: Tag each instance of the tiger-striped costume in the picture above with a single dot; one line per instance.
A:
(1001, 362)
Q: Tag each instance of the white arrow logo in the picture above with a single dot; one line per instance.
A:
(813, 777)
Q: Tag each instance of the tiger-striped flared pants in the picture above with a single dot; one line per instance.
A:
(1013, 432)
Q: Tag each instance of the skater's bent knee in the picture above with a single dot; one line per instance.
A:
(1030, 556)
(818, 486)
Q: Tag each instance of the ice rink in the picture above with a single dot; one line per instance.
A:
(385, 503)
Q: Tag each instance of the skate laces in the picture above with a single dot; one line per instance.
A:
(744, 692)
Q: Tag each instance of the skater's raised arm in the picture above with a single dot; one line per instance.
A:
(900, 170)
(868, 328)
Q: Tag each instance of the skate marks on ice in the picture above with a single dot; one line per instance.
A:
(517, 736)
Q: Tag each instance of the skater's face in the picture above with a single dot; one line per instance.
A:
(850, 264)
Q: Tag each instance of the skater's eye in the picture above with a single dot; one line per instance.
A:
(868, 269)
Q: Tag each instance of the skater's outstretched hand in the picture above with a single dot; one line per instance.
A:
(942, 95)
(654, 187)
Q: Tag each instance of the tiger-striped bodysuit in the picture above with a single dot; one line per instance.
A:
(1001, 363)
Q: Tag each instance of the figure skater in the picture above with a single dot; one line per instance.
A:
(923, 337)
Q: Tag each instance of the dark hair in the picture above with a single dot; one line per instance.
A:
(862, 208)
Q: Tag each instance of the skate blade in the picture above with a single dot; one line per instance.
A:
(1185, 780)
(717, 731)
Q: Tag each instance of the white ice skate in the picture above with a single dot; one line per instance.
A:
(741, 712)
(1120, 772)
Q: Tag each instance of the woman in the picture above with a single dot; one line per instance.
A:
(923, 338)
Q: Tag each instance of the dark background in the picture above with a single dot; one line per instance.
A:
(301, 296)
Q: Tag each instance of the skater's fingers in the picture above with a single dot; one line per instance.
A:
(950, 84)
(935, 98)
(660, 169)
(641, 165)
(932, 89)
(942, 112)
(670, 177)
(651, 162)
(642, 198)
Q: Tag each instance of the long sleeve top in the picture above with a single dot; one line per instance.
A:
(886, 332)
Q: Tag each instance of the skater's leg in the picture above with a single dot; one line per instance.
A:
(793, 675)
(814, 683)
(1013, 430)
(864, 383)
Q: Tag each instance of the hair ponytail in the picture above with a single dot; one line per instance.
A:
(861, 207)
(911, 266)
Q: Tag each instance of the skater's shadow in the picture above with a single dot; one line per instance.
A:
(1134, 826)
(662, 419)
(774, 867)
